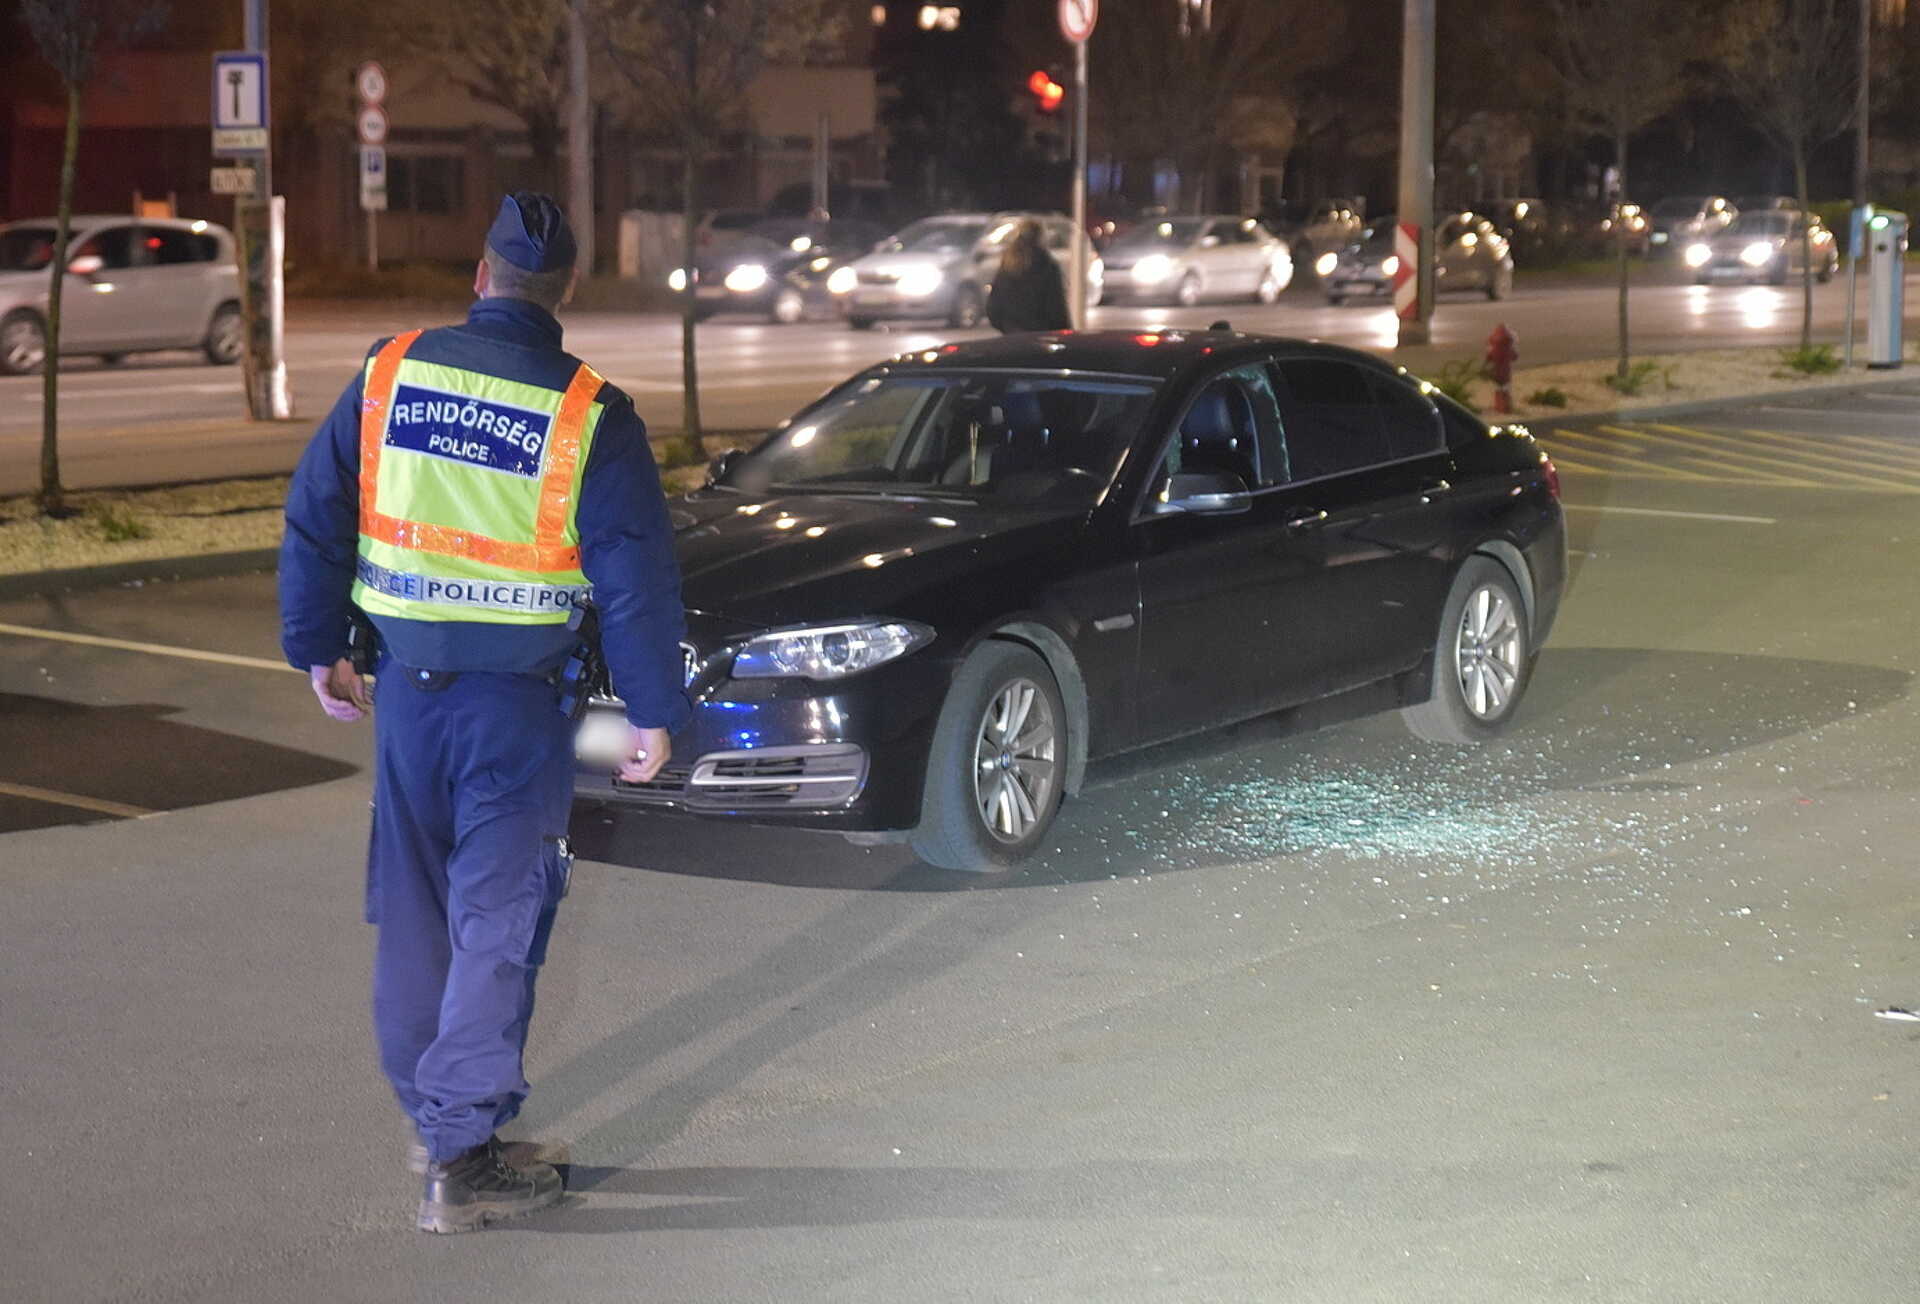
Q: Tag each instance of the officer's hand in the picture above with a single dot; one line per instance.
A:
(648, 750)
(343, 694)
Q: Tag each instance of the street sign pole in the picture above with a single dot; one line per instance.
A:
(242, 130)
(1416, 172)
(370, 79)
(1077, 19)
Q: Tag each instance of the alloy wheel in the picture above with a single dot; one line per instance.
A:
(23, 345)
(1487, 652)
(1015, 765)
(226, 337)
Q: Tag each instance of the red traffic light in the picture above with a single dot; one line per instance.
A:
(1047, 92)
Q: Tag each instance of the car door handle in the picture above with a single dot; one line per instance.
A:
(1305, 520)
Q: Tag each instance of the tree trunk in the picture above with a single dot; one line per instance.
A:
(1806, 246)
(53, 496)
(1620, 246)
(690, 445)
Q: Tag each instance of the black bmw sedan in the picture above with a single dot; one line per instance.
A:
(921, 606)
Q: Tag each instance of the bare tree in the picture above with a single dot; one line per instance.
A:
(71, 34)
(1618, 65)
(511, 54)
(1794, 69)
(689, 63)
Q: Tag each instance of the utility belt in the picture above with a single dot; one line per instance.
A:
(582, 675)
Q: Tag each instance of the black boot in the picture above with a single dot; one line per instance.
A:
(479, 1186)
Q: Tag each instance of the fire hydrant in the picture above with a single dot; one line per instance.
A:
(1503, 350)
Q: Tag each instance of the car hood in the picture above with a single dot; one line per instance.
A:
(865, 555)
(900, 262)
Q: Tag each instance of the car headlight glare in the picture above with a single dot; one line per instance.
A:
(1757, 254)
(1153, 269)
(1389, 265)
(677, 280)
(746, 278)
(842, 281)
(1326, 263)
(1698, 255)
(828, 651)
(920, 281)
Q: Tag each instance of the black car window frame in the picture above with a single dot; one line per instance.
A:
(1299, 427)
(117, 247)
(1272, 452)
(1389, 390)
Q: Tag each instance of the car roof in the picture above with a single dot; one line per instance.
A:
(1148, 354)
(79, 220)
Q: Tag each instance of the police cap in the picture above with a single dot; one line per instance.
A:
(532, 233)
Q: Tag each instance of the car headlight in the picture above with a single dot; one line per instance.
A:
(1326, 263)
(746, 278)
(828, 651)
(677, 279)
(1698, 255)
(919, 281)
(1390, 264)
(1153, 269)
(842, 281)
(1757, 254)
(800, 243)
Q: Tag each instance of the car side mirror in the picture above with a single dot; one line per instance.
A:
(1203, 493)
(86, 264)
(718, 468)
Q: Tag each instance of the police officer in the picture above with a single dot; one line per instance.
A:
(468, 488)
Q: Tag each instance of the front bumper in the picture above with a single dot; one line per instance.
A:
(848, 756)
(886, 300)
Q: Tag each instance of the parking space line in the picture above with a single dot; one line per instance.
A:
(1633, 460)
(99, 805)
(1660, 511)
(1874, 450)
(1743, 446)
(150, 649)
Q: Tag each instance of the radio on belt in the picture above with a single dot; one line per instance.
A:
(585, 672)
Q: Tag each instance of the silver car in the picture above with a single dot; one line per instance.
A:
(1764, 245)
(1469, 253)
(942, 267)
(1186, 259)
(133, 285)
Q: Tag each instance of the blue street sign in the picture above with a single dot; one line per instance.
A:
(241, 103)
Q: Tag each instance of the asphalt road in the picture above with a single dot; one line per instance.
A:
(166, 417)
(1586, 1015)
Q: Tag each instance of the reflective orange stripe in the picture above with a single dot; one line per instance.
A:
(374, 402)
(563, 454)
(549, 550)
(420, 536)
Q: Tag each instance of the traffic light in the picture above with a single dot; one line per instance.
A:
(1047, 93)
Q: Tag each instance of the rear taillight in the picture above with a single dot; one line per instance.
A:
(1552, 472)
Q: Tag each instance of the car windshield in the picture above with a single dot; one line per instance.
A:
(1378, 237)
(26, 248)
(934, 234)
(1679, 206)
(1770, 222)
(1161, 235)
(1013, 437)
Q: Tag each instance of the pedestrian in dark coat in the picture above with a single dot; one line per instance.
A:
(1027, 292)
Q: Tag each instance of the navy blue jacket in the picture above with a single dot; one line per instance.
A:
(626, 539)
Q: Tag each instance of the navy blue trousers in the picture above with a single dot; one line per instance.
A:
(467, 864)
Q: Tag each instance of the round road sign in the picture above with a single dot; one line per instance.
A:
(371, 81)
(373, 125)
(1077, 18)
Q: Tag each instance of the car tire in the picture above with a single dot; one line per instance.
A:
(1500, 284)
(1482, 659)
(226, 336)
(789, 306)
(1826, 271)
(1777, 274)
(861, 323)
(968, 308)
(989, 799)
(23, 343)
(1268, 291)
(1187, 293)
(1335, 300)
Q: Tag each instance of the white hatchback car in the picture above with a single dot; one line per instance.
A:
(133, 285)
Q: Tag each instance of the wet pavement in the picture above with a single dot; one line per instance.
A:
(1586, 1014)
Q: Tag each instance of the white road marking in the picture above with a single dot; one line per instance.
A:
(1684, 516)
(151, 649)
(74, 799)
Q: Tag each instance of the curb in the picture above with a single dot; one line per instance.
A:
(1689, 406)
(197, 566)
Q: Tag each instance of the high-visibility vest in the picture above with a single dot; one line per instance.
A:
(468, 485)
